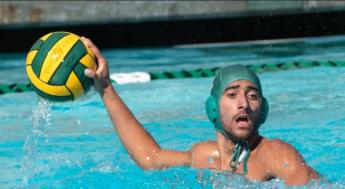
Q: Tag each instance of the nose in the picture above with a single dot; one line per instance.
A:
(242, 102)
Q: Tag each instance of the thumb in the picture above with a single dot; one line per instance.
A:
(90, 73)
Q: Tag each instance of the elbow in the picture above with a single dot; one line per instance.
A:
(151, 166)
(148, 163)
(147, 167)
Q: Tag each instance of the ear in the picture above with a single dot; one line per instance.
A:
(212, 109)
(264, 110)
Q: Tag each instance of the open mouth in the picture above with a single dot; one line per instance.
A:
(242, 120)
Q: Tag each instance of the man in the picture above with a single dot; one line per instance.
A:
(236, 107)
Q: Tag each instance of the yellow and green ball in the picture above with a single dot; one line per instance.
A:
(55, 66)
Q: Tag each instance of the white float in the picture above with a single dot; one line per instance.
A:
(132, 77)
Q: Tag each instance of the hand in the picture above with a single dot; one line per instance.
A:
(101, 75)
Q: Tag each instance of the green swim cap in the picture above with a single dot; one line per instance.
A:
(222, 79)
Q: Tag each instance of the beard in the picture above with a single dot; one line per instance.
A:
(235, 138)
(235, 133)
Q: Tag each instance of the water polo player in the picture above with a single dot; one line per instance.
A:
(236, 107)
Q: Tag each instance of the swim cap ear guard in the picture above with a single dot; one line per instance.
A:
(223, 78)
(213, 112)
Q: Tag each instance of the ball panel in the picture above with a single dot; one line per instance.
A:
(45, 37)
(52, 97)
(41, 86)
(37, 45)
(72, 58)
(44, 50)
(31, 55)
(85, 81)
(56, 56)
(74, 85)
(88, 62)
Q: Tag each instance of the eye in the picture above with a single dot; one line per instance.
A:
(231, 94)
(253, 96)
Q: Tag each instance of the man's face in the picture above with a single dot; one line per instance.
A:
(240, 108)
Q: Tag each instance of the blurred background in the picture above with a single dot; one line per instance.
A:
(164, 23)
(28, 12)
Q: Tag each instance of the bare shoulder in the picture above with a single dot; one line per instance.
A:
(284, 161)
(205, 148)
(276, 146)
(205, 154)
(277, 153)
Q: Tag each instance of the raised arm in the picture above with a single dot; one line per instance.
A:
(138, 142)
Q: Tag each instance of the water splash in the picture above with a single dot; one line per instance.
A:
(105, 167)
(37, 136)
(224, 180)
(48, 158)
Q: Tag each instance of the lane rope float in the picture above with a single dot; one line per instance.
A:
(142, 77)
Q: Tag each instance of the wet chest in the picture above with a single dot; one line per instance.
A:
(255, 170)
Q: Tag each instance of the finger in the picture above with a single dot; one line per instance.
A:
(93, 48)
(101, 67)
(102, 63)
(90, 73)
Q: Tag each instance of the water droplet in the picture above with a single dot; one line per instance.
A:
(210, 160)
(286, 164)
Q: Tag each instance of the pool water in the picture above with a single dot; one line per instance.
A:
(73, 145)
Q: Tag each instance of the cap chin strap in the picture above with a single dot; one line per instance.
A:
(240, 154)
